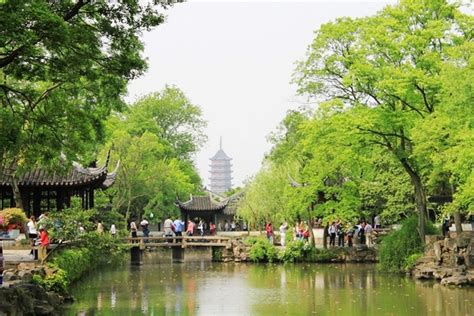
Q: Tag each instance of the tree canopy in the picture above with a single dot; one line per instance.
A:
(64, 66)
(394, 120)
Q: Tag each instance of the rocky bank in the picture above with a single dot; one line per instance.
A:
(19, 296)
(449, 260)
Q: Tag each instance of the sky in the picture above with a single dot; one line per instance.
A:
(235, 59)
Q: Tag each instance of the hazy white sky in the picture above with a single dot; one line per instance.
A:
(235, 60)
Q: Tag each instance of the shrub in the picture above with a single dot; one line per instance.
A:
(398, 246)
(296, 251)
(262, 251)
(410, 262)
(12, 216)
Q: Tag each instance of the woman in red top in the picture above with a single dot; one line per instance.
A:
(44, 243)
(269, 230)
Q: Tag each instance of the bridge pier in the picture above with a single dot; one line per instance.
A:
(177, 254)
(136, 255)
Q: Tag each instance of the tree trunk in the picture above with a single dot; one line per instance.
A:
(325, 236)
(310, 228)
(457, 223)
(16, 192)
(420, 198)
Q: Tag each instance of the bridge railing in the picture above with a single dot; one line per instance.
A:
(178, 241)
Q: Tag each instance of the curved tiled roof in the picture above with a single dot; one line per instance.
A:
(201, 203)
(77, 176)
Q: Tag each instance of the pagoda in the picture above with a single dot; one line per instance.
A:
(221, 172)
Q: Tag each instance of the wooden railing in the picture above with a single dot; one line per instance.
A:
(178, 241)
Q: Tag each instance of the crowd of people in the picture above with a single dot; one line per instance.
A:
(339, 234)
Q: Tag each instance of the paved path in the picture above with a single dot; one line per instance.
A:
(17, 256)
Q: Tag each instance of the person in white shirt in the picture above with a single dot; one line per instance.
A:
(32, 233)
(283, 228)
(113, 230)
(377, 221)
(368, 234)
(144, 225)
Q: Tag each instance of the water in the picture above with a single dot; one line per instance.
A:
(207, 288)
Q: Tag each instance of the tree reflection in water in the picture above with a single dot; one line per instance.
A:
(206, 288)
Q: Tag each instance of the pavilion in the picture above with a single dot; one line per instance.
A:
(202, 207)
(42, 191)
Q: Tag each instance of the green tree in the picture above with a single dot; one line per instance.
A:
(64, 65)
(154, 139)
(388, 69)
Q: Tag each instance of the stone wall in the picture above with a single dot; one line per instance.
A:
(449, 260)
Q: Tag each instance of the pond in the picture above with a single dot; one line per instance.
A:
(210, 288)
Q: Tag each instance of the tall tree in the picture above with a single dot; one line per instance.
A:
(388, 67)
(64, 65)
(155, 140)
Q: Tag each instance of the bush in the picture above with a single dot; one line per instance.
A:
(12, 216)
(410, 262)
(93, 250)
(296, 251)
(262, 251)
(397, 247)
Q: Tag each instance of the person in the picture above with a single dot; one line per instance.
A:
(201, 227)
(178, 227)
(232, 226)
(133, 229)
(32, 233)
(212, 229)
(113, 230)
(332, 234)
(144, 225)
(377, 222)
(190, 229)
(219, 226)
(283, 228)
(269, 231)
(298, 235)
(368, 234)
(350, 235)
(340, 234)
(44, 243)
(226, 226)
(362, 233)
(445, 227)
(319, 223)
(168, 226)
(100, 227)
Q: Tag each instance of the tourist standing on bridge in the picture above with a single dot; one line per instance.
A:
(212, 228)
(178, 227)
(368, 234)
(133, 229)
(144, 225)
(190, 229)
(168, 226)
(201, 227)
(377, 222)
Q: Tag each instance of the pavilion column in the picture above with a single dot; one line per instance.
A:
(37, 203)
(59, 199)
(91, 198)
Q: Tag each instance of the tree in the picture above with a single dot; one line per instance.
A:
(64, 65)
(387, 68)
(154, 139)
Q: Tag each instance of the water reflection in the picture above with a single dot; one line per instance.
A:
(205, 288)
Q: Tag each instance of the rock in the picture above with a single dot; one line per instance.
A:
(449, 243)
(431, 239)
(463, 241)
(25, 275)
(26, 266)
(438, 250)
(42, 308)
(458, 279)
(54, 298)
(9, 276)
(459, 260)
(469, 259)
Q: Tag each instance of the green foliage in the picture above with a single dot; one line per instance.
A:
(12, 216)
(295, 251)
(300, 251)
(411, 261)
(154, 141)
(70, 264)
(262, 251)
(397, 248)
(64, 66)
